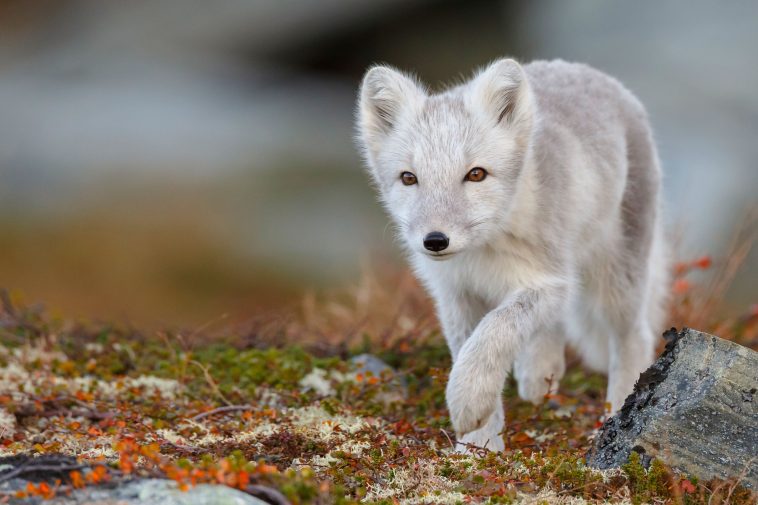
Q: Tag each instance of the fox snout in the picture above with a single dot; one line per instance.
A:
(436, 241)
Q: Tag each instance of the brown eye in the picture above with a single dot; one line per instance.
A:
(408, 178)
(476, 174)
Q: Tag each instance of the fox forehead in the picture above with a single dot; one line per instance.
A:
(441, 136)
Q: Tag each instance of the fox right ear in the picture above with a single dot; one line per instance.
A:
(386, 94)
(502, 91)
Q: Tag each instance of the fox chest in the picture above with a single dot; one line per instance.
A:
(489, 278)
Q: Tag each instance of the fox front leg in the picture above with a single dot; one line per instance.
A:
(458, 316)
(478, 375)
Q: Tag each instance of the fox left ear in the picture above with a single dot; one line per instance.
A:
(386, 95)
(502, 91)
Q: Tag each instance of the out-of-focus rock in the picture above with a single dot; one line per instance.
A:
(165, 492)
(395, 390)
(16, 472)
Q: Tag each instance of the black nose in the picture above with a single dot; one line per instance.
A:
(436, 241)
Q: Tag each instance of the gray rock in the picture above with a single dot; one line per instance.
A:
(398, 385)
(152, 492)
(369, 363)
(364, 363)
(165, 492)
(695, 409)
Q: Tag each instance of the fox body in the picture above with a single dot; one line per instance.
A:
(528, 201)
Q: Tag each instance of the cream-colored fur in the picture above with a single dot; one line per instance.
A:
(561, 242)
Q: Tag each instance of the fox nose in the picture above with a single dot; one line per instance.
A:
(436, 241)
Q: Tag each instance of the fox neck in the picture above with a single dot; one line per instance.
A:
(520, 223)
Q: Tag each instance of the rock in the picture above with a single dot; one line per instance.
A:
(364, 363)
(398, 385)
(47, 467)
(695, 409)
(320, 380)
(153, 492)
(17, 471)
(166, 492)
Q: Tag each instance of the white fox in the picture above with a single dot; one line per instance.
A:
(528, 199)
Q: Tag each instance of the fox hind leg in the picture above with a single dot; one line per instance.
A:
(540, 365)
(635, 284)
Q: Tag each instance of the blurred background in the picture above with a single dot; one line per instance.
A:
(165, 162)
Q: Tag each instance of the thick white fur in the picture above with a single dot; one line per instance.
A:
(560, 242)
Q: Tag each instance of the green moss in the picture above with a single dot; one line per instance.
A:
(646, 485)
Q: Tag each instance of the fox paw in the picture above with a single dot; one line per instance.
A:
(470, 401)
(470, 443)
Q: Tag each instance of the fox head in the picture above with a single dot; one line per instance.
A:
(446, 165)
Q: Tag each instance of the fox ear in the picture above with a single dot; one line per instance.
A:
(385, 95)
(502, 91)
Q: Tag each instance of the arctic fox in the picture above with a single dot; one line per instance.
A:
(528, 199)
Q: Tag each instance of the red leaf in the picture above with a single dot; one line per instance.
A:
(687, 486)
(681, 286)
(703, 263)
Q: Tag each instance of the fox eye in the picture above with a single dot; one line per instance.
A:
(408, 178)
(476, 174)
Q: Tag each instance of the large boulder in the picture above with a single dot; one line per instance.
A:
(695, 409)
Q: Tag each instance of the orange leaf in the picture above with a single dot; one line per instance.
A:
(83, 396)
(76, 479)
(703, 263)
(44, 490)
(151, 451)
(264, 468)
(125, 463)
(681, 269)
(220, 476)
(98, 474)
(687, 486)
(522, 438)
(681, 286)
(243, 479)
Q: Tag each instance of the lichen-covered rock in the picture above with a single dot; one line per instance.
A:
(695, 408)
